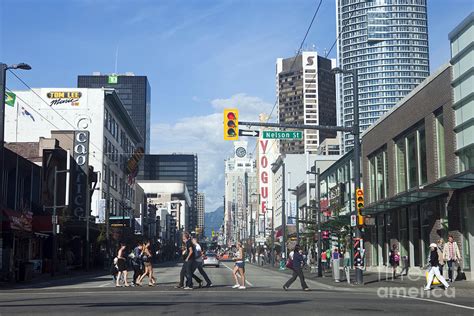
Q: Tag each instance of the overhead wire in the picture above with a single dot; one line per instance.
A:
(293, 64)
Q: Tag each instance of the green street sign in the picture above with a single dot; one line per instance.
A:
(113, 79)
(282, 135)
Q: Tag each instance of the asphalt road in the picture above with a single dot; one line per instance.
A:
(93, 295)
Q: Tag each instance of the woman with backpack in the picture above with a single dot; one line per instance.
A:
(394, 259)
(297, 266)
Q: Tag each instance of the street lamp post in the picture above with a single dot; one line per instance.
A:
(295, 192)
(3, 75)
(356, 133)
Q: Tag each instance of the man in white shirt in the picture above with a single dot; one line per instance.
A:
(200, 262)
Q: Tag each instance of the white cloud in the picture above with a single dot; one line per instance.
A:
(203, 135)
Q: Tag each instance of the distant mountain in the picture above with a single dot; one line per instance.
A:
(213, 221)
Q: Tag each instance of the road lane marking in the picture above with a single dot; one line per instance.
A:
(246, 281)
(105, 284)
(434, 301)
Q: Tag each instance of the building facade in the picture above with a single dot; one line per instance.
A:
(182, 167)
(133, 91)
(330, 146)
(462, 59)
(387, 43)
(306, 95)
(201, 209)
(168, 207)
(240, 205)
(414, 187)
(110, 144)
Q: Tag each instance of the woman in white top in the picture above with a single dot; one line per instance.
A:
(239, 268)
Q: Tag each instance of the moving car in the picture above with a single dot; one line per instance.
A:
(210, 259)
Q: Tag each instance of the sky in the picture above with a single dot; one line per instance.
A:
(200, 56)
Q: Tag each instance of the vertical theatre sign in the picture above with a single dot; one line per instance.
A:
(80, 179)
(264, 172)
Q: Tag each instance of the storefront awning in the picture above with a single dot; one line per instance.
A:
(442, 186)
(401, 200)
(455, 182)
(17, 221)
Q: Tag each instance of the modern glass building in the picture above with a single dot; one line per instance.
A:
(133, 91)
(387, 42)
(183, 167)
(462, 53)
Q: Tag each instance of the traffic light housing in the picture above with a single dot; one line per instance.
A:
(231, 124)
(360, 206)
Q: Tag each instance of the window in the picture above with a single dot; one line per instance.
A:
(378, 176)
(440, 146)
(411, 161)
(400, 162)
(423, 176)
(410, 157)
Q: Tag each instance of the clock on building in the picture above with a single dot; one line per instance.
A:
(240, 152)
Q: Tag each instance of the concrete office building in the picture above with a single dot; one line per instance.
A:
(306, 94)
(387, 43)
(170, 202)
(201, 208)
(133, 91)
(60, 113)
(181, 167)
(240, 194)
(296, 167)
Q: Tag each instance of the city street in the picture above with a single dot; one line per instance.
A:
(264, 295)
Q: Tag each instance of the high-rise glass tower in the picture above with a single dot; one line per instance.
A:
(387, 42)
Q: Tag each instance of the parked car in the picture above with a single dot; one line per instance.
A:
(210, 259)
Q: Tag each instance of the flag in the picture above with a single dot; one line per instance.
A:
(10, 98)
(26, 113)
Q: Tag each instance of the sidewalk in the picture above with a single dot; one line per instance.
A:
(373, 280)
(42, 279)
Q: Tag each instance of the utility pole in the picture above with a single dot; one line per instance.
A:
(283, 211)
(318, 212)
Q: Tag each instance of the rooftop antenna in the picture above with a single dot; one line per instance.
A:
(116, 59)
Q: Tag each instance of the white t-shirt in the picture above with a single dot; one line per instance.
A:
(198, 253)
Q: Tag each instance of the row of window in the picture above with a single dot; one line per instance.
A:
(410, 162)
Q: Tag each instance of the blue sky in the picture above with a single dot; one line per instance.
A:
(199, 55)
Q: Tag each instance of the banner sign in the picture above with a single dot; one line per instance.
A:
(80, 174)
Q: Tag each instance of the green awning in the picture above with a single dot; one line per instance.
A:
(440, 187)
(401, 200)
(458, 181)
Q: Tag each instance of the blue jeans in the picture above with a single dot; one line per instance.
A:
(450, 269)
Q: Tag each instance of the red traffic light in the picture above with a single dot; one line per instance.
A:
(231, 116)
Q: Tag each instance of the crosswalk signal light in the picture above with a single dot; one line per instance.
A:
(231, 124)
(360, 206)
